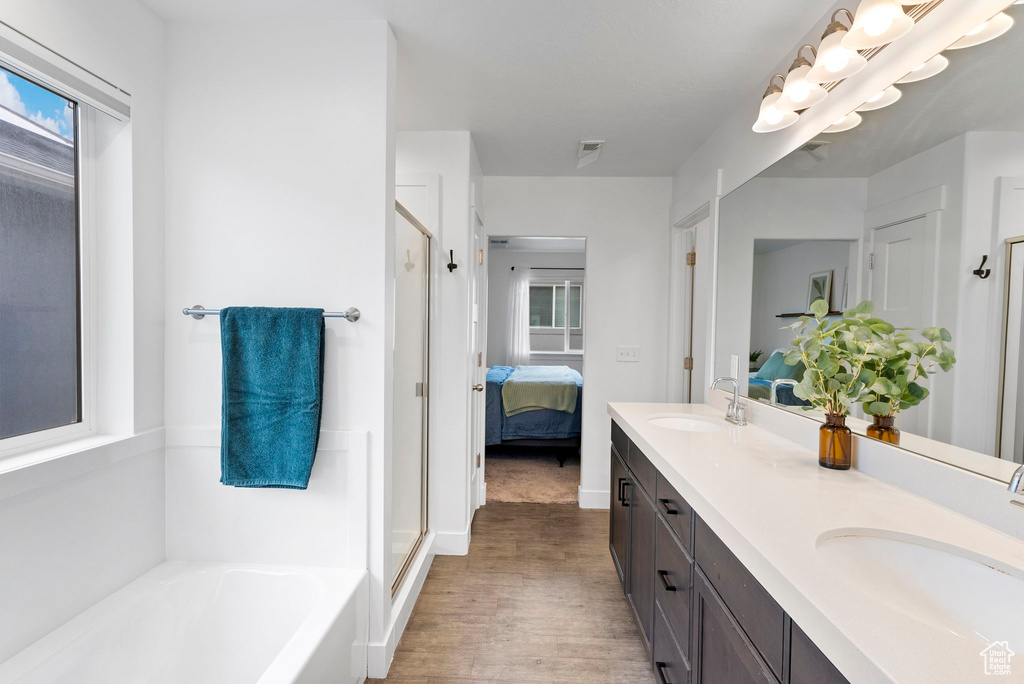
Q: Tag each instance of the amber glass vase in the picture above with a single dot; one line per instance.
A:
(835, 443)
(883, 429)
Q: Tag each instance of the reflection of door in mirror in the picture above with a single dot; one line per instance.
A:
(1011, 426)
(899, 269)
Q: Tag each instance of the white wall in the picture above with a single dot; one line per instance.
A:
(284, 201)
(625, 221)
(79, 521)
(780, 286)
(775, 209)
(499, 280)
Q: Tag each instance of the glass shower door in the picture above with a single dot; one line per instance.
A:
(409, 442)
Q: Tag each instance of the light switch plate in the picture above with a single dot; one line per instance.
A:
(627, 354)
(734, 366)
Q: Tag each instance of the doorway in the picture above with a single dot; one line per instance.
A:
(534, 384)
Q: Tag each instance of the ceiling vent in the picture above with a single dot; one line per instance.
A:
(498, 244)
(806, 157)
(587, 152)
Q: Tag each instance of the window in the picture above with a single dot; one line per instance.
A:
(40, 292)
(548, 308)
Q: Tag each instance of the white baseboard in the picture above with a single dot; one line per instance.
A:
(452, 543)
(380, 654)
(594, 498)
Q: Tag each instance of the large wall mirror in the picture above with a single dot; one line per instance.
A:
(900, 210)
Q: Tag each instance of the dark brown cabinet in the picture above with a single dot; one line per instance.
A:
(641, 560)
(619, 527)
(722, 652)
(704, 618)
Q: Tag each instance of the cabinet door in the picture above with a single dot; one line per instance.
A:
(670, 666)
(619, 525)
(808, 665)
(722, 654)
(641, 559)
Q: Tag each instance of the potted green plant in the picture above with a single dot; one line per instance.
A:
(754, 356)
(835, 354)
(898, 363)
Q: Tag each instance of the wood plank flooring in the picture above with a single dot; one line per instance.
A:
(536, 600)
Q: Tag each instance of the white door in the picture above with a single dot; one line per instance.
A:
(477, 365)
(900, 269)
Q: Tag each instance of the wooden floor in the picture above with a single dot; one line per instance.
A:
(536, 600)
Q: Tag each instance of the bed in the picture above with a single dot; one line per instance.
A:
(759, 386)
(532, 428)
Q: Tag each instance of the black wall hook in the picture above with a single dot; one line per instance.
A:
(981, 271)
(451, 261)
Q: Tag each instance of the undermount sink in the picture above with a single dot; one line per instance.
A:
(942, 585)
(686, 422)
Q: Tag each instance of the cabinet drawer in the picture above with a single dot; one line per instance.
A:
(761, 618)
(808, 665)
(620, 441)
(673, 580)
(670, 664)
(677, 512)
(643, 470)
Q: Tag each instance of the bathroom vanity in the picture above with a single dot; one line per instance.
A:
(732, 546)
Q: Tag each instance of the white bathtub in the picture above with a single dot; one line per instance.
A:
(211, 623)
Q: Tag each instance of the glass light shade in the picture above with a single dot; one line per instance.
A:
(935, 65)
(835, 62)
(771, 118)
(851, 120)
(799, 93)
(882, 99)
(993, 28)
(878, 22)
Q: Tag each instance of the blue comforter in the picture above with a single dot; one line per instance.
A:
(542, 424)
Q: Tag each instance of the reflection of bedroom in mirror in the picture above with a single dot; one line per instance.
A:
(900, 212)
(534, 391)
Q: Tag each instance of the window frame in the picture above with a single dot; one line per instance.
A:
(568, 284)
(85, 179)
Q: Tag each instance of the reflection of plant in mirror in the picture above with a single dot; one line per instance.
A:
(755, 355)
(899, 362)
(835, 356)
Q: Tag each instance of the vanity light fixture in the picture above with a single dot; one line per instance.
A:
(993, 28)
(934, 66)
(878, 22)
(835, 62)
(771, 118)
(882, 99)
(851, 120)
(799, 93)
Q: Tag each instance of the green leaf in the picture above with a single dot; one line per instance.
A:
(879, 408)
(932, 334)
(819, 308)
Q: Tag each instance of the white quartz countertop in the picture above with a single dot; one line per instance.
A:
(770, 502)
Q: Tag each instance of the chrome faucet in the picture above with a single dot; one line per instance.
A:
(774, 396)
(736, 413)
(1017, 481)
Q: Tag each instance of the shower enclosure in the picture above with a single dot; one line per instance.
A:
(411, 354)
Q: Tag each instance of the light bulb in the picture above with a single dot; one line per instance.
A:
(878, 22)
(882, 99)
(993, 28)
(772, 116)
(933, 66)
(851, 120)
(877, 97)
(798, 93)
(835, 60)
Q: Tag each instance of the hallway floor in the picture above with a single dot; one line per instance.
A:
(536, 600)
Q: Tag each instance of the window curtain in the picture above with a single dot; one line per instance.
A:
(518, 343)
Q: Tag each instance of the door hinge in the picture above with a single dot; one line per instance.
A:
(871, 261)
(480, 256)
(688, 363)
(478, 460)
(479, 359)
(691, 258)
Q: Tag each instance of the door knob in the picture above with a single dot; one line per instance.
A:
(478, 388)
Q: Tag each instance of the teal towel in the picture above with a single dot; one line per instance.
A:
(272, 395)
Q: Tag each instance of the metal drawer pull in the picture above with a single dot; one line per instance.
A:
(667, 505)
(623, 483)
(660, 667)
(663, 574)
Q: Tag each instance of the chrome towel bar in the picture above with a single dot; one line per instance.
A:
(199, 312)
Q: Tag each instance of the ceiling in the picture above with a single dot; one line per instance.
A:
(532, 78)
(979, 91)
